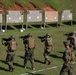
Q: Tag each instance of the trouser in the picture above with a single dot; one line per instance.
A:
(10, 59)
(68, 69)
(29, 55)
(46, 56)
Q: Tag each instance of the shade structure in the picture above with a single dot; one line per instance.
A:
(14, 16)
(34, 16)
(0, 20)
(50, 16)
(66, 15)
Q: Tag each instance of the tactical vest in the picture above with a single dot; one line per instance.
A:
(69, 55)
(74, 41)
(72, 55)
(31, 43)
(13, 45)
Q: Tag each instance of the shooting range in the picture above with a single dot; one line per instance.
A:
(51, 16)
(0, 20)
(14, 17)
(66, 15)
(34, 16)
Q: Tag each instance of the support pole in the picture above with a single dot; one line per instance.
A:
(27, 26)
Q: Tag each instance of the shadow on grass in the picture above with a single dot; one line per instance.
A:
(3, 61)
(55, 56)
(74, 22)
(54, 24)
(8, 27)
(22, 57)
(1, 68)
(69, 23)
(38, 61)
(20, 26)
(16, 64)
(37, 26)
(61, 52)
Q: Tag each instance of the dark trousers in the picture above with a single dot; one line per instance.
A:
(29, 55)
(46, 56)
(68, 69)
(10, 59)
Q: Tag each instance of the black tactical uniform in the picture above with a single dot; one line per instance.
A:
(29, 51)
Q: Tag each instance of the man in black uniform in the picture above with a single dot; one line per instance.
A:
(29, 50)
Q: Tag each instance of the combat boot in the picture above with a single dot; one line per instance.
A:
(12, 69)
(24, 66)
(49, 62)
(33, 68)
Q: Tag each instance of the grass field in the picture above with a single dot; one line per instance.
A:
(58, 35)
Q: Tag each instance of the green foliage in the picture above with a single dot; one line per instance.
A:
(22, 2)
(8, 3)
(38, 3)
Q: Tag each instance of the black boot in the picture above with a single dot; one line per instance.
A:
(49, 62)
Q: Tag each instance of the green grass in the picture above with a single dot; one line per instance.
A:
(57, 34)
(8, 3)
(22, 2)
(58, 38)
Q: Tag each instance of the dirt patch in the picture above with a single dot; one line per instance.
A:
(32, 6)
(3, 9)
(48, 8)
(18, 6)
